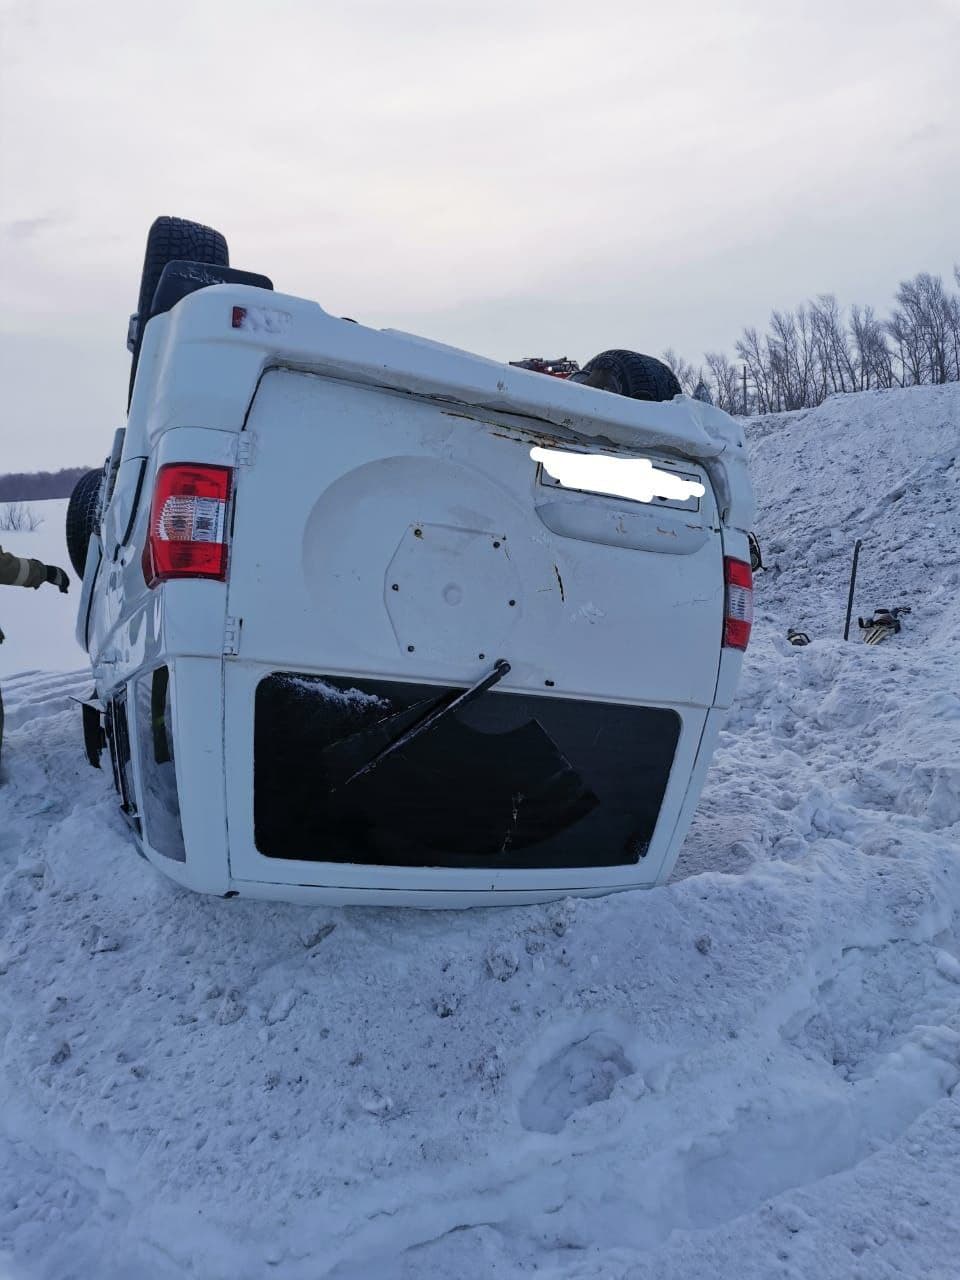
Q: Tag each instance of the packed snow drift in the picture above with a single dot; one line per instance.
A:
(750, 1072)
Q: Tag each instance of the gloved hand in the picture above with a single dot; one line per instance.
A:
(58, 578)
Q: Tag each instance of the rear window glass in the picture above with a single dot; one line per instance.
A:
(510, 781)
(160, 802)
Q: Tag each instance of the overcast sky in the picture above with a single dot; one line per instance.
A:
(516, 177)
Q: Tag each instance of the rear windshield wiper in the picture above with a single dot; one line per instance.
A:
(439, 711)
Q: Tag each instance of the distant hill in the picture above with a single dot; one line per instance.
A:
(29, 486)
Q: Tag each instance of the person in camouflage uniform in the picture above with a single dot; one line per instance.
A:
(15, 571)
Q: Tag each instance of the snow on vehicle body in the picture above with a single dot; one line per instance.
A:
(319, 534)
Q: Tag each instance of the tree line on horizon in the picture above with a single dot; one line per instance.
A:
(34, 486)
(817, 350)
(821, 349)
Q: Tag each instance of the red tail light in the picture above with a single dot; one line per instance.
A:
(188, 518)
(738, 606)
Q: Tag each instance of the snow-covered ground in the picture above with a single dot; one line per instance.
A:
(39, 624)
(748, 1073)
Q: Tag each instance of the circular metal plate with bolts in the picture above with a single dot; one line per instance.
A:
(452, 593)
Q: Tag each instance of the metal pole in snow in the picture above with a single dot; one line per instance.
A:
(853, 583)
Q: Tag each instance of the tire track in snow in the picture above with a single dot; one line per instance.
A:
(32, 696)
(790, 1129)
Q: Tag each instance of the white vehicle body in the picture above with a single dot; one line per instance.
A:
(389, 538)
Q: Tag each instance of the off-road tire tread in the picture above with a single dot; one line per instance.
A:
(173, 240)
(82, 518)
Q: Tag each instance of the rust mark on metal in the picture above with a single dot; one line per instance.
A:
(522, 435)
(559, 583)
(556, 434)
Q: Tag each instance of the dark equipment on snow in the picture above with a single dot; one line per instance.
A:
(853, 583)
(884, 623)
(798, 638)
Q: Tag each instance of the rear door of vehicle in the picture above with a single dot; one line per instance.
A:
(387, 551)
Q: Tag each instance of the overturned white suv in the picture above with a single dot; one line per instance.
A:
(375, 620)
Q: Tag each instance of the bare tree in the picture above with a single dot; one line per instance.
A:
(815, 351)
(683, 371)
(873, 359)
(836, 369)
(953, 312)
(921, 327)
(753, 353)
(18, 516)
(725, 379)
(792, 359)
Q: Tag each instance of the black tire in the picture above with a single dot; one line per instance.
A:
(83, 515)
(627, 373)
(172, 240)
(176, 240)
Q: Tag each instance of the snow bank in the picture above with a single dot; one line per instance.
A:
(750, 1072)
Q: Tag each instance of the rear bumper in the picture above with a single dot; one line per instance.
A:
(439, 899)
(219, 820)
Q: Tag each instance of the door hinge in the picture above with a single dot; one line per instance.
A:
(231, 635)
(245, 449)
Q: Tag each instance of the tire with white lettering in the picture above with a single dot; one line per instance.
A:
(628, 373)
(83, 516)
